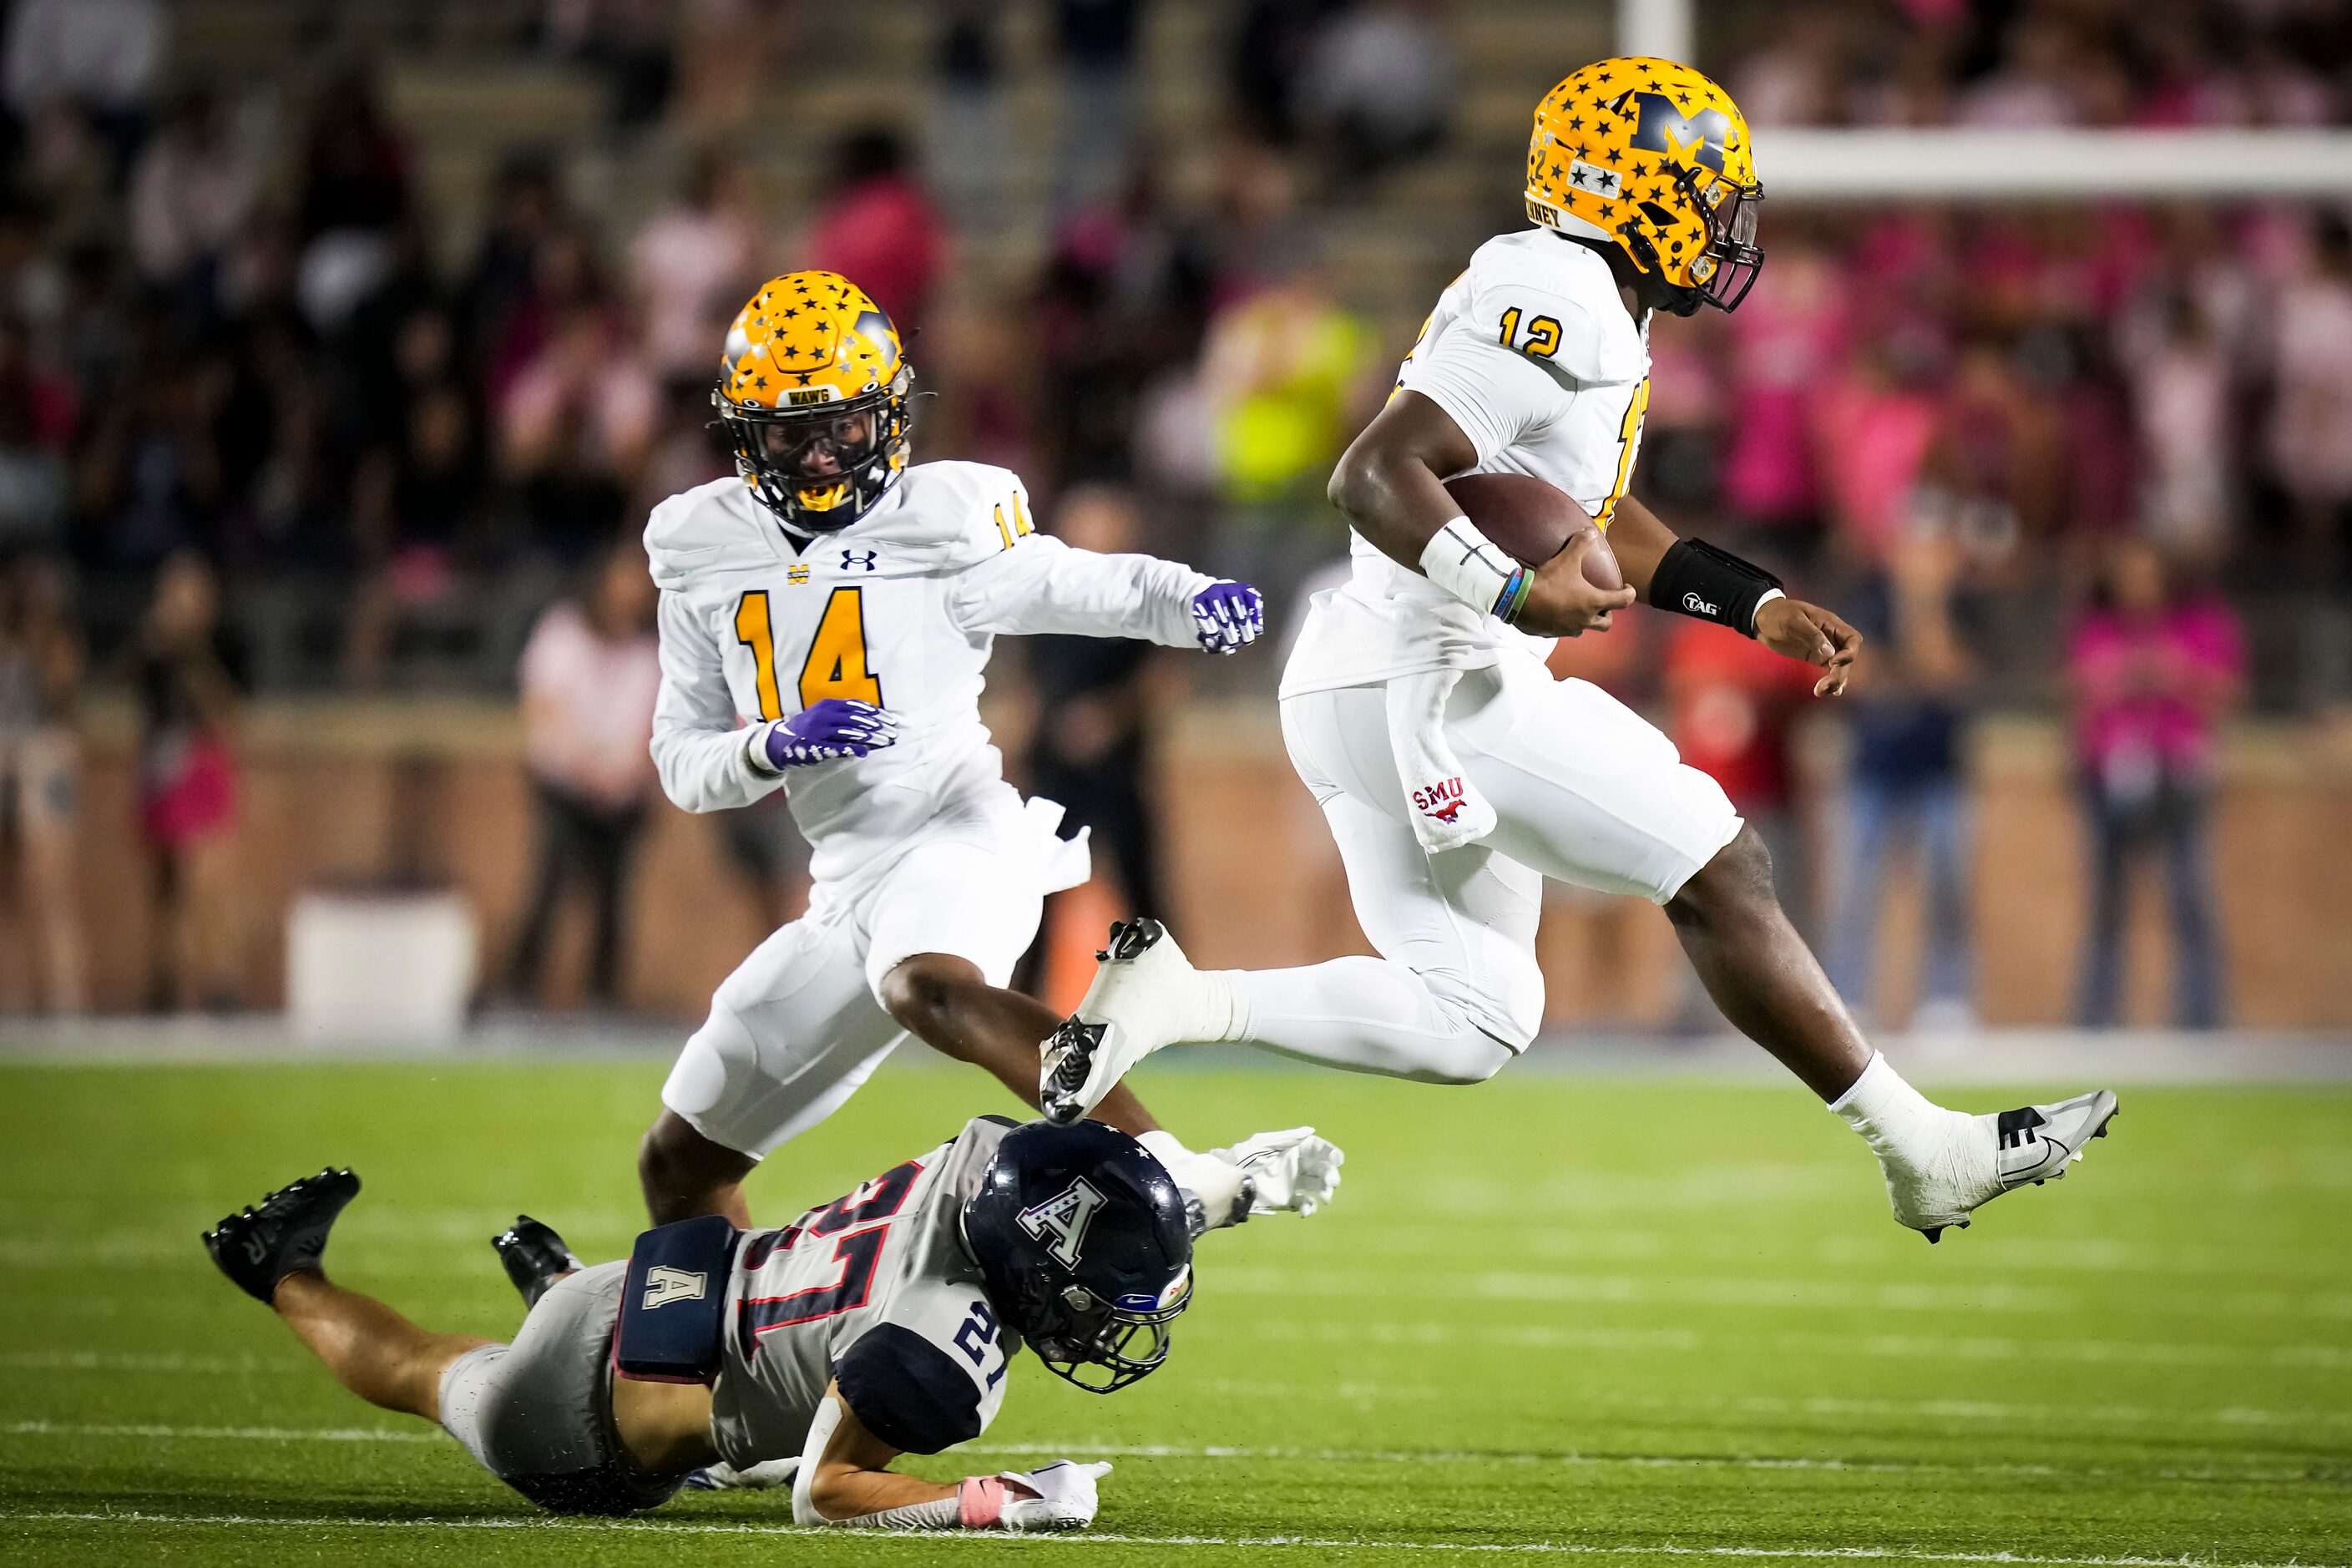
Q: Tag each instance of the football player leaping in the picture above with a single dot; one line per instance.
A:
(826, 620)
(880, 1323)
(1457, 774)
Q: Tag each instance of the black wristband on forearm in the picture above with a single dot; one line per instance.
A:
(1694, 578)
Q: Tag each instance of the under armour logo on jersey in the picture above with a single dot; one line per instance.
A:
(1064, 1218)
(665, 1284)
(859, 560)
(2016, 1127)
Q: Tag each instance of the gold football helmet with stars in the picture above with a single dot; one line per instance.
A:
(1653, 157)
(813, 387)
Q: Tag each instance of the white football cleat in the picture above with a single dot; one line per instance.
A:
(1989, 1156)
(1146, 995)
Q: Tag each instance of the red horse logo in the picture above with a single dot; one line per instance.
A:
(1441, 801)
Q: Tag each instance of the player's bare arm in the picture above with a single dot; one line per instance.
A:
(850, 1476)
(1391, 484)
(847, 1479)
(1785, 626)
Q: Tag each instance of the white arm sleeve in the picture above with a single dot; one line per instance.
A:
(1041, 584)
(698, 749)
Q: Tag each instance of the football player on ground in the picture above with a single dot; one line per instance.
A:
(1456, 773)
(826, 617)
(881, 1323)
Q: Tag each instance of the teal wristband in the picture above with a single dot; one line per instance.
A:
(1514, 596)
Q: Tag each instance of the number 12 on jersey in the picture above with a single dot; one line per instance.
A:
(836, 664)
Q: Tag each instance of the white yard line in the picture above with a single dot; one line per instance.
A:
(163, 1365)
(1901, 1347)
(1311, 1543)
(1819, 1404)
(145, 1432)
(174, 1365)
(1064, 1449)
(1813, 1295)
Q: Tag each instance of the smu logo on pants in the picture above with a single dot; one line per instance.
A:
(1442, 800)
(665, 1284)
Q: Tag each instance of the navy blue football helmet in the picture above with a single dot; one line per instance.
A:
(1082, 1238)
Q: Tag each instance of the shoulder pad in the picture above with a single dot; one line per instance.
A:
(908, 1391)
(698, 528)
(1569, 314)
(950, 514)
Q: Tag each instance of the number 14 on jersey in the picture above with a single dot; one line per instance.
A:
(836, 663)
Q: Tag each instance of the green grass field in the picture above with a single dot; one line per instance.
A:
(1572, 1316)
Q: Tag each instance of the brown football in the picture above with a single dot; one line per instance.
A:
(1532, 520)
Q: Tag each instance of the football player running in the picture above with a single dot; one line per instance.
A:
(826, 620)
(881, 1323)
(1457, 774)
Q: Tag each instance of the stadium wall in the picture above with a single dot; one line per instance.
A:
(434, 793)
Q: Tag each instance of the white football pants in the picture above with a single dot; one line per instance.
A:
(1586, 791)
(799, 1026)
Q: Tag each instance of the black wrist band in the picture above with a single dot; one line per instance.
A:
(1694, 578)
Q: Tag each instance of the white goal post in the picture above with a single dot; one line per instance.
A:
(1961, 164)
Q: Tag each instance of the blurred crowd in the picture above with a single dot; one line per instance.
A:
(2020, 64)
(273, 420)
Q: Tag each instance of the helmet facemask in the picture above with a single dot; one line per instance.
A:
(1726, 267)
(1729, 266)
(1074, 1331)
(822, 467)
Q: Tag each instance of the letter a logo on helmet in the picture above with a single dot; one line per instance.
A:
(1063, 1218)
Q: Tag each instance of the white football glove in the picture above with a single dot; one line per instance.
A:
(1291, 1171)
(718, 1475)
(1065, 1496)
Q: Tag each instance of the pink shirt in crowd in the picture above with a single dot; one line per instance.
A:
(588, 709)
(1785, 343)
(1872, 441)
(886, 235)
(2151, 689)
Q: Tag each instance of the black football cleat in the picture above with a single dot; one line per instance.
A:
(534, 1256)
(257, 1247)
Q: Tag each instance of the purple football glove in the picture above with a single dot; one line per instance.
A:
(1227, 616)
(837, 727)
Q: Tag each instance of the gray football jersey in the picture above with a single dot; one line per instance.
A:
(875, 1288)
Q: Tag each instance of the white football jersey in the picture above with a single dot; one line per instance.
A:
(873, 1288)
(900, 610)
(1531, 351)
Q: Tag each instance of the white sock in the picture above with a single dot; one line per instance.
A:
(1216, 1182)
(1892, 1118)
(1366, 1015)
(1223, 1006)
(1938, 1164)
